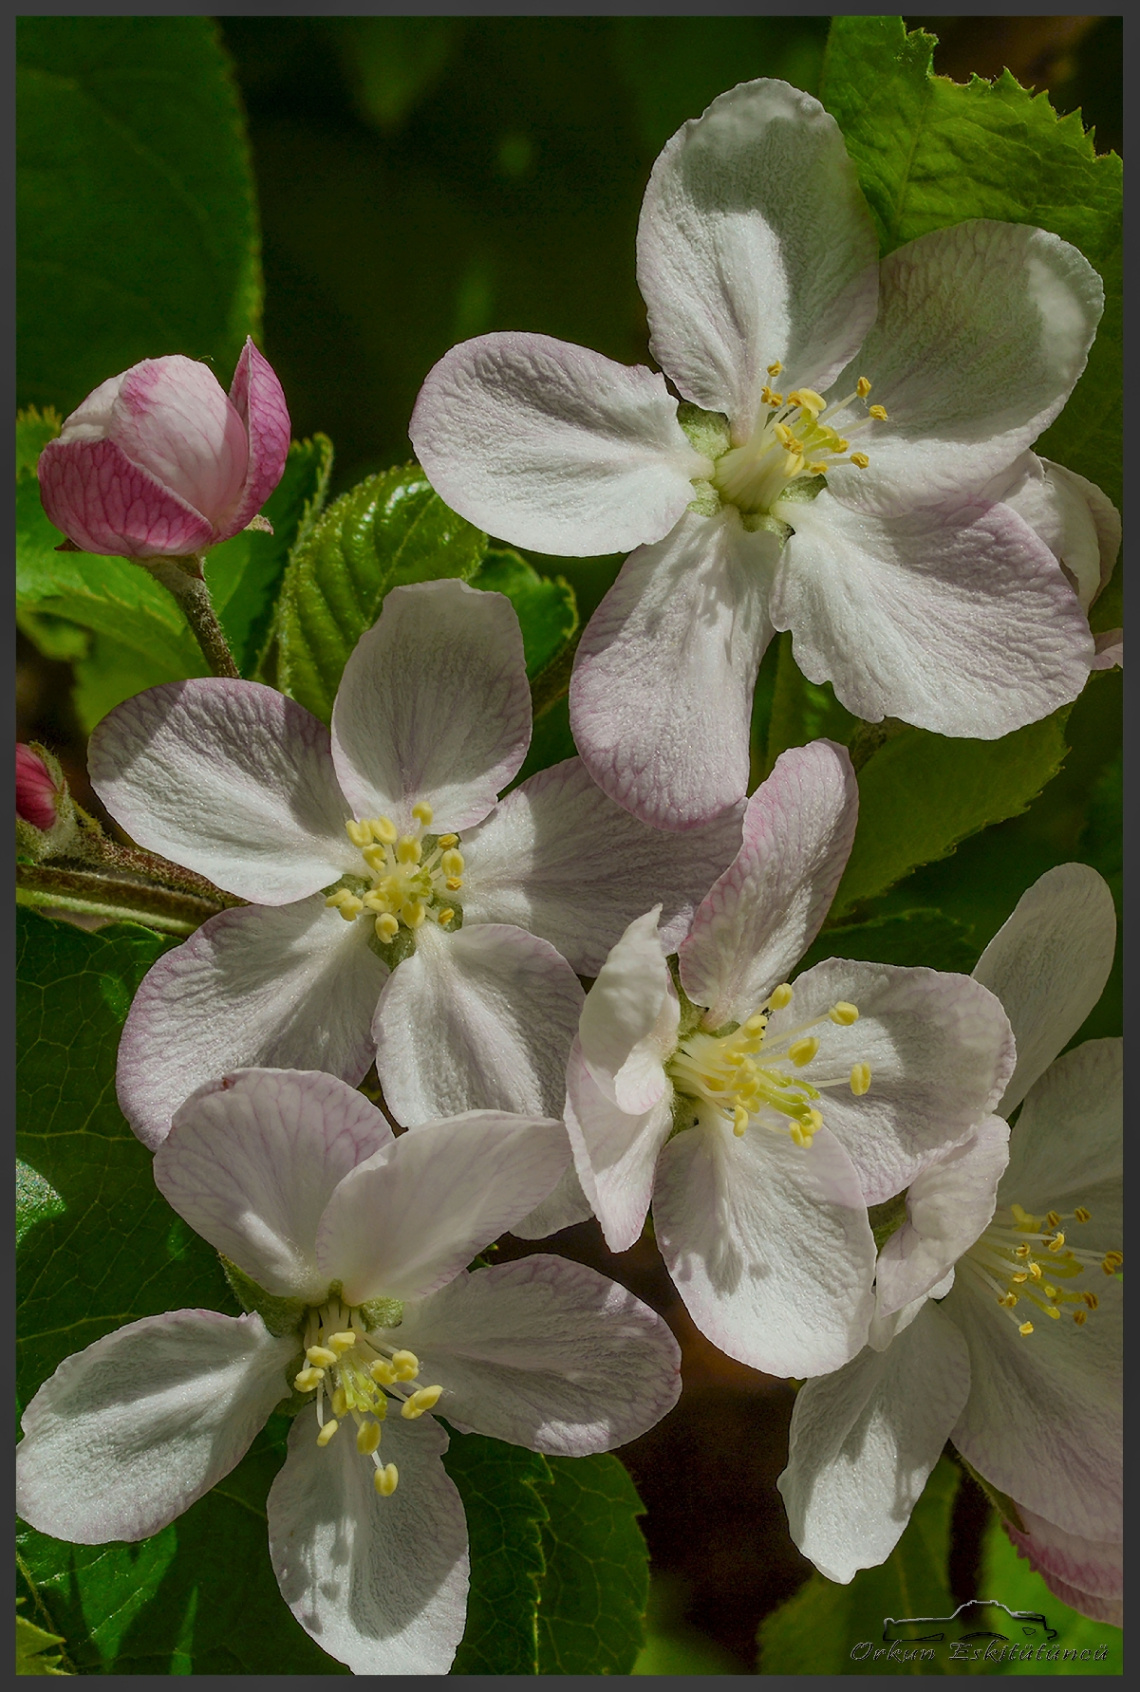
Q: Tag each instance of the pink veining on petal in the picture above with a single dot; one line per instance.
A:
(35, 789)
(1109, 650)
(105, 504)
(257, 396)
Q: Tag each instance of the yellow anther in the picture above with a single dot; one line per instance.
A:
(843, 1013)
(808, 400)
(384, 830)
(385, 1478)
(367, 1438)
(1022, 1250)
(382, 1372)
(387, 926)
(1053, 1219)
(1081, 1214)
(775, 369)
(423, 813)
(1025, 1329)
(817, 469)
(1035, 1271)
(1008, 1299)
(862, 387)
(449, 840)
(1056, 1243)
(375, 859)
(861, 459)
(454, 883)
(840, 445)
(339, 1401)
(425, 1399)
(860, 1078)
(342, 1342)
(798, 1136)
(452, 862)
(756, 1024)
(308, 1380)
(360, 833)
(780, 996)
(1080, 1317)
(786, 438)
(1019, 1276)
(406, 1365)
(327, 1432)
(408, 849)
(1022, 1217)
(878, 412)
(802, 1051)
(320, 1356)
(815, 1119)
(346, 903)
(1051, 1310)
(413, 913)
(739, 1120)
(1112, 1262)
(1050, 1292)
(445, 916)
(770, 397)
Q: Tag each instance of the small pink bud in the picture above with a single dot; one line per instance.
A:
(37, 792)
(160, 463)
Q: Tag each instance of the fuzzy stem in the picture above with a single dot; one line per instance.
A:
(183, 578)
(90, 894)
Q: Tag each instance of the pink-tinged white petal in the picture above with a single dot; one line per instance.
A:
(755, 245)
(252, 1160)
(1076, 520)
(129, 1433)
(1090, 1566)
(1095, 1607)
(956, 619)
(768, 1244)
(105, 504)
(287, 988)
(766, 909)
(560, 859)
(615, 1152)
(433, 706)
(37, 794)
(863, 1442)
(1109, 650)
(406, 1221)
(379, 1583)
(630, 1019)
(546, 1354)
(563, 1206)
(884, 1327)
(478, 1020)
(1067, 1147)
(661, 695)
(172, 418)
(982, 332)
(231, 779)
(257, 397)
(551, 446)
(948, 1204)
(1048, 965)
(939, 1050)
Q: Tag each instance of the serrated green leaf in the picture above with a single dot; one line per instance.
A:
(815, 1631)
(931, 152)
(501, 1489)
(389, 530)
(921, 793)
(546, 607)
(36, 1199)
(918, 939)
(34, 1653)
(1007, 1576)
(34, 429)
(591, 1609)
(137, 225)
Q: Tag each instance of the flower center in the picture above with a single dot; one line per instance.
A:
(358, 1375)
(1028, 1258)
(745, 1076)
(795, 439)
(410, 879)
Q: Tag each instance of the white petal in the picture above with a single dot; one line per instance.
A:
(1076, 520)
(939, 1051)
(478, 1020)
(565, 1205)
(768, 1245)
(884, 1327)
(765, 910)
(433, 706)
(379, 1583)
(956, 619)
(863, 1442)
(983, 329)
(406, 1221)
(230, 779)
(755, 244)
(252, 1160)
(129, 1433)
(290, 988)
(630, 1018)
(554, 447)
(661, 695)
(615, 1152)
(547, 1354)
(1068, 1142)
(948, 1204)
(1048, 965)
(560, 859)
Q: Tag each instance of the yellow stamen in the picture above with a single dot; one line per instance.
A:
(878, 412)
(384, 830)
(1056, 1243)
(1025, 1329)
(453, 883)
(360, 833)
(339, 1401)
(387, 926)
(327, 1432)
(1081, 1214)
(408, 850)
(413, 913)
(320, 1356)
(406, 1365)
(802, 1051)
(423, 813)
(739, 1120)
(342, 1342)
(775, 369)
(425, 1399)
(382, 1372)
(817, 469)
(860, 1078)
(367, 1438)
(385, 1478)
(808, 400)
(843, 1013)
(780, 996)
(862, 387)
(860, 459)
(445, 916)
(452, 862)
(308, 1380)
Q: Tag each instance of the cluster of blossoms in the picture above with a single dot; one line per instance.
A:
(835, 1188)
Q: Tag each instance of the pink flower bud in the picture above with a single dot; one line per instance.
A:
(159, 463)
(37, 793)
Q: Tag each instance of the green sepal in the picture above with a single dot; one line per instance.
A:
(708, 430)
(280, 1315)
(691, 1014)
(887, 1218)
(381, 1313)
(762, 522)
(803, 489)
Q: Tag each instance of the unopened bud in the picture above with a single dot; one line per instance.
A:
(46, 823)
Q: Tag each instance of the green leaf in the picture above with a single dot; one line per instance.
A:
(821, 1628)
(36, 1199)
(921, 793)
(800, 711)
(931, 152)
(137, 224)
(1007, 1576)
(591, 1610)
(919, 938)
(389, 530)
(391, 62)
(34, 429)
(546, 607)
(500, 1486)
(34, 1653)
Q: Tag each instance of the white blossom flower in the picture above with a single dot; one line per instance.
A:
(763, 1118)
(361, 1241)
(999, 1306)
(778, 495)
(394, 912)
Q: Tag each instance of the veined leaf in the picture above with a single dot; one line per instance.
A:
(591, 1610)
